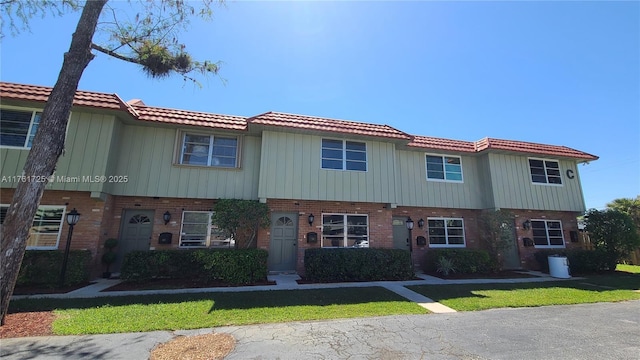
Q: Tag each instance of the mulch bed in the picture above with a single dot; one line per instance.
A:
(27, 324)
(164, 284)
(498, 275)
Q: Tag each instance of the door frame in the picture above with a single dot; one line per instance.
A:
(294, 217)
(404, 219)
(124, 218)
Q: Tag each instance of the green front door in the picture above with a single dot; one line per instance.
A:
(135, 234)
(400, 233)
(283, 246)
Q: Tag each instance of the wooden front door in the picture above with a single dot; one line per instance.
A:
(135, 234)
(283, 244)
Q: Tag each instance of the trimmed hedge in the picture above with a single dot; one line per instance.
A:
(336, 265)
(466, 261)
(580, 261)
(234, 267)
(42, 268)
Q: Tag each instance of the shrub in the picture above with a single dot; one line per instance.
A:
(580, 261)
(445, 266)
(233, 267)
(613, 233)
(42, 268)
(336, 265)
(467, 261)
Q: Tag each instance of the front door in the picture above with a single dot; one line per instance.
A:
(283, 245)
(400, 233)
(510, 255)
(135, 234)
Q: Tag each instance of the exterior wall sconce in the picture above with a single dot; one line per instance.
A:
(72, 219)
(310, 219)
(421, 223)
(526, 225)
(166, 217)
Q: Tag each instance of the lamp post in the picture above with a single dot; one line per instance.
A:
(409, 224)
(72, 219)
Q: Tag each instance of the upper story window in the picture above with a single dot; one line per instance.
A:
(209, 150)
(345, 230)
(44, 233)
(444, 168)
(446, 232)
(18, 127)
(547, 233)
(344, 155)
(545, 171)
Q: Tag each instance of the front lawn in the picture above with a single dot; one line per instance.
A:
(191, 311)
(598, 288)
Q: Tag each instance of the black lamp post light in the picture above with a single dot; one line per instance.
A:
(72, 219)
(409, 224)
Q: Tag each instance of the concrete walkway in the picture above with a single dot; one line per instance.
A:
(288, 282)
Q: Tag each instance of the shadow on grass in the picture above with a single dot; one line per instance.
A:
(222, 300)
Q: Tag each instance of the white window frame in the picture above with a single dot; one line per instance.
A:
(207, 239)
(345, 234)
(182, 136)
(446, 234)
(444, 164)
(546, 172)
(29, 136)
(546, 226)
(344, 159)
(62, 220)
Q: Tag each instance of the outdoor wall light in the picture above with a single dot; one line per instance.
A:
(311, 218)
(421, 223)
(526, 225)
(166, 217)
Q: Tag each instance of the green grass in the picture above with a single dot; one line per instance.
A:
(190, 311)
(597, 288)
(634, 269)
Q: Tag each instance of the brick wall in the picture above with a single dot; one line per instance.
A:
(569, 223)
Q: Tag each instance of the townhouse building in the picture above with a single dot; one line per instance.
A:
(150, 176)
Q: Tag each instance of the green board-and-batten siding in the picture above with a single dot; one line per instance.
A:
(290, 168)
(512, 187)
(146, 156)
(416, 190)
(89, 136)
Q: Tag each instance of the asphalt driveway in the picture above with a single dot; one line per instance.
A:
(590, 331)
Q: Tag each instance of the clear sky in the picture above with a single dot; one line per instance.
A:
(562, 73)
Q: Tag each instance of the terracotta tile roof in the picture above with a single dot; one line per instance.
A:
(533, 148)
(442, 144)
(82, 98)
(329, 125)
(193, 118)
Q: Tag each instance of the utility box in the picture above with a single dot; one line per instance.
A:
(165, 238)
(559, 267)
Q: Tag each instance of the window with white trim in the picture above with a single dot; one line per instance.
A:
(345, 230)
(446, 232)
(209, 150)
(197, 231)
(545, 171)
(444, 168)
(18, 127)
(547, 233)
(344, 155)
(45, 231)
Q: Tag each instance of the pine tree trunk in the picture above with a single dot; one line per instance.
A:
(45, 151)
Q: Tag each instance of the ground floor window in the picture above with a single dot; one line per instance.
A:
(547, 233)
(446, 232)
(45, 231)
(345, 230)
(197, 231)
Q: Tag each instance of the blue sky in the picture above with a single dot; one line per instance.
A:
(563, 73)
